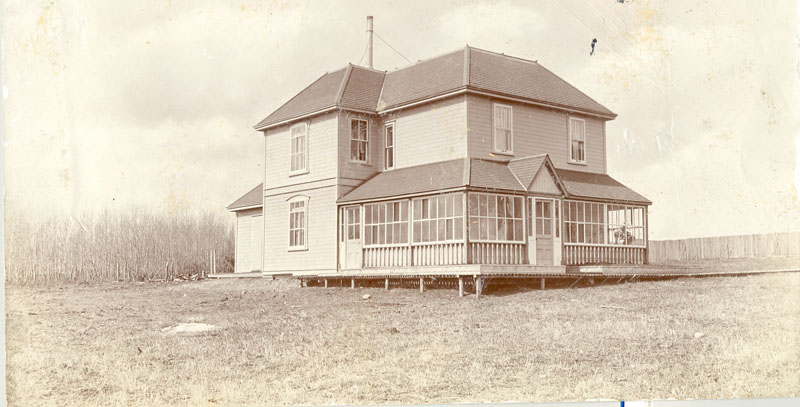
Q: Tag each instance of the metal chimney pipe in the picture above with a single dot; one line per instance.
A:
(369, 41)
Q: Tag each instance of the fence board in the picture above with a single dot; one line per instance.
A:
(726, 247)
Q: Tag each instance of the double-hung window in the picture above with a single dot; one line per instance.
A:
(503, 138)
(388, 146)
(299, 150)
(298, 223)
(577, 140)
(359, 140)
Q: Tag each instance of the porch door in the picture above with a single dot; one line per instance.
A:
(543, 215)
(352, 237)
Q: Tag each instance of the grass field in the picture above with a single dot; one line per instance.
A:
(277, 343)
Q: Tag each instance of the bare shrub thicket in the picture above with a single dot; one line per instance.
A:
(131, 246)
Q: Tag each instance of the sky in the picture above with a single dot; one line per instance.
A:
(117, 104)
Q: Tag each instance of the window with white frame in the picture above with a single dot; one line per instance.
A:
(625, 225)
(495, 218)
(299, 150)
(503, 139)
(386, 223)
(359, 140)
(439, 218)
(584, 222)
(298, 223)
(577, 140)
(353, 222)
(388, 146)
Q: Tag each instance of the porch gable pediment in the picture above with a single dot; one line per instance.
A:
(537, 174)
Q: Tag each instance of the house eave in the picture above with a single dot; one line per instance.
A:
(243, 208)
(298, 117)
(470, 90)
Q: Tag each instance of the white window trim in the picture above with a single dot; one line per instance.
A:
(394, 145)
(304, 246)
(350, 141)
(504, 241)
(606, 226)
(303, 170)
(569, 143)
(408, 222)
(494, 130)
(414, 203)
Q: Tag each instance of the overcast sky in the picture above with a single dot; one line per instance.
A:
(152, 103)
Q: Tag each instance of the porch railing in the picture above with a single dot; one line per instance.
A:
(437, 254)
(586, 254)
(497, 253)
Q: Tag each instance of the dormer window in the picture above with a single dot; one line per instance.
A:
(577, 140)
(359, 141)
(299, 150)
(503, 139)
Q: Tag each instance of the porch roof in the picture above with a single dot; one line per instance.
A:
(581, 184)
(439, 176)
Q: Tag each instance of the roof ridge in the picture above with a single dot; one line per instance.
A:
(346, 78)
(366, 68)
(459, 49)
(467, 63)
(532, 61)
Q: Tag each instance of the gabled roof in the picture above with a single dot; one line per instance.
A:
(526, 168)
(581, 184)
(253, 199)
(467, 69)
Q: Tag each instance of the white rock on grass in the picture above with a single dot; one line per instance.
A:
(190, 327)
(365, 297)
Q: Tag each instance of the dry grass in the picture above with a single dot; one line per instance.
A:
(280, 344)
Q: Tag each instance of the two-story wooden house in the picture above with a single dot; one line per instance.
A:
(472, 157)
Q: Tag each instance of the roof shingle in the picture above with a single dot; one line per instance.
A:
(469, 68)
(253, 198)
(581, 184)
(412, 180)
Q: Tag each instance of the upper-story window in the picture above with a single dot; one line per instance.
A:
(299, 150)
(388, 146)
(577, 140)
(359, 140)
(503, 139)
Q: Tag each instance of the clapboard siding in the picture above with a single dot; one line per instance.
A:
(537, 130)
(430, 132)
(244, 240)
(544, 182)
(321, 232)
(351, 172)
(322, 134)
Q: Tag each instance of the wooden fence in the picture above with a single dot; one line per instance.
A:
(726, 247)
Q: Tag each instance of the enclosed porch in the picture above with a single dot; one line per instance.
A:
(518, 213)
